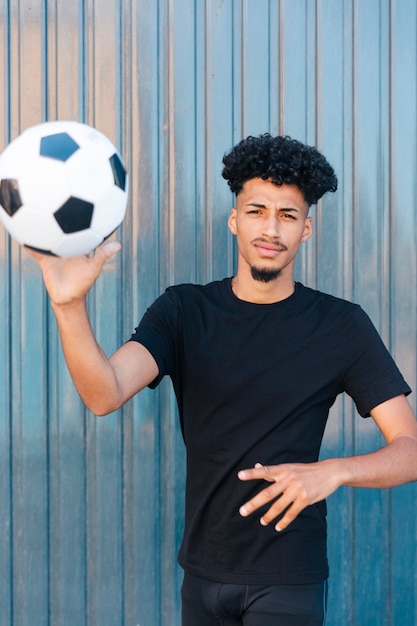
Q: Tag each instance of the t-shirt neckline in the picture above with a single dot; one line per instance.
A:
(247, 303)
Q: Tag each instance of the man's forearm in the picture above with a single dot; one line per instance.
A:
(90, 369)
(392, 465)
(294, 486)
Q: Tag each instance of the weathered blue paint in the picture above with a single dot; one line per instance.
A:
(91, 511)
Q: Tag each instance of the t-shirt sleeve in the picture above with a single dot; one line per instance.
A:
(372, 377)
(158, 332)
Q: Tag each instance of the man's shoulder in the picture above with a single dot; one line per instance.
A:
(326, 299)
(329, 308)
(196, 290)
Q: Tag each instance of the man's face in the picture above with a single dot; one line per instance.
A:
(269, 222)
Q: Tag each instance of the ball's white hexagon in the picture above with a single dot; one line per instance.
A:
(75, 244)
(89, 136)
(89, 174)
(54, 190)
(108, 212)
(26, 225)
(45, 183)
(16, 157)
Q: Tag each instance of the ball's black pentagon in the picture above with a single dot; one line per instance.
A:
(74, 215)
(119, 172)
(10, 198)
(59, 146)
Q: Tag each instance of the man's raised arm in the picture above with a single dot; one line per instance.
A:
(103, 383)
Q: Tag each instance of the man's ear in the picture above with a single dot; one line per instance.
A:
(308, 229)
(231, 222)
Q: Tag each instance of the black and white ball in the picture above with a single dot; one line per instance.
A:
(63, 188)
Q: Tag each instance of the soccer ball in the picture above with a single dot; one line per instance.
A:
(63, 188)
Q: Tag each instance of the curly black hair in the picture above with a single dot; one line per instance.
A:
(281, 160)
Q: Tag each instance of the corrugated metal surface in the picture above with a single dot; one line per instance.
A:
(91, 508)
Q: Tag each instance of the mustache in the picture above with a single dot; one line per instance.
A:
(273, 242)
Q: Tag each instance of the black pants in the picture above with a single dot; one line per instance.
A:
(208, 603)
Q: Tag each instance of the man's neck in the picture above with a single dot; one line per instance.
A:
(258, 292)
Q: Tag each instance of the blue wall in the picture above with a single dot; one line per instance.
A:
(91, 511)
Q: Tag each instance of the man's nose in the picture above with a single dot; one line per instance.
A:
(271, 225)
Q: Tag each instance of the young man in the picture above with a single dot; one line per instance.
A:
(256, 362)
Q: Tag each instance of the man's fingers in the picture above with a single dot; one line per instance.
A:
(287, 491)
(102, 254)
(289, 505)
(261, 472)
(285, 504)
(263, 497)
(106, 251)
(286, 519)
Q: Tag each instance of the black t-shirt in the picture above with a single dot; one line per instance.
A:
(254, 383)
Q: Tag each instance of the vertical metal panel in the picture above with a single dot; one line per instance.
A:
(91, 514)
(69, 551)
(370, 217)
(403, 303)
(6, 601)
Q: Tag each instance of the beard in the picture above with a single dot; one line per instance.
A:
(264, 275)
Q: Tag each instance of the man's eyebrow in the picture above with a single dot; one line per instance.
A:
(263, 206)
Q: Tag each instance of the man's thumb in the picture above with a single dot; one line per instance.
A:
(106, 251)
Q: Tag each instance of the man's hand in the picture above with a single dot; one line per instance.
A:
(69, 280)
(293, 487)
